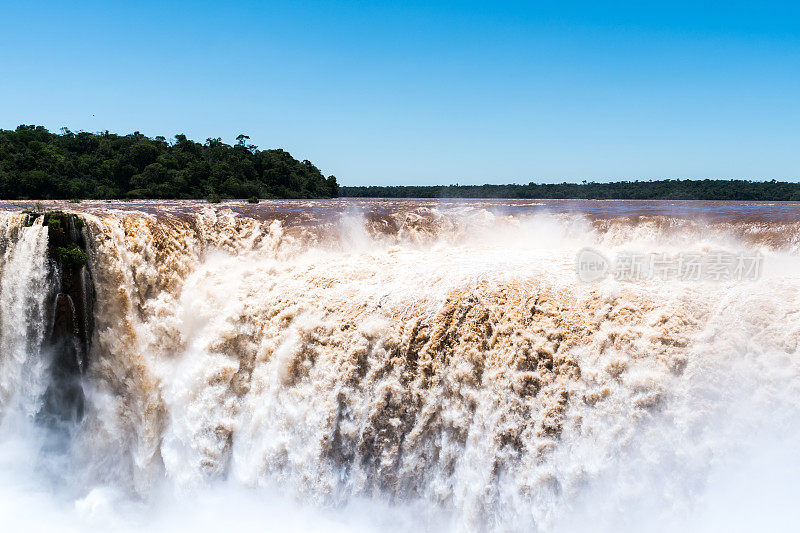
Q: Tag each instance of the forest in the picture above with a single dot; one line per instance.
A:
(36, 163)
(706, 189)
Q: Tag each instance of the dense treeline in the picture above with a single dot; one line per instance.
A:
(35, 163)
(624, 190)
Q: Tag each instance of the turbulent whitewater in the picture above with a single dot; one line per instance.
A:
(377, 365)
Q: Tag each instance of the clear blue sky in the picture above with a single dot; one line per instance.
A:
(427, 92)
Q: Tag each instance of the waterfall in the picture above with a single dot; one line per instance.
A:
(426, 368)
(24, 286)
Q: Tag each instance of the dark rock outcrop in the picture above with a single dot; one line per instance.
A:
(70, 306)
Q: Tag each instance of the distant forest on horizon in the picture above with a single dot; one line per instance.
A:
(620, 190)
(38, 164)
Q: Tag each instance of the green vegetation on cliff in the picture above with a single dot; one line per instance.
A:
(71, 256)
(35, 163)
(622, 190)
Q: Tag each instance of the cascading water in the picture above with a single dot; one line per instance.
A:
(24, 287)
(421, 367)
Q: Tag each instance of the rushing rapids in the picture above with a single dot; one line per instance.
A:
(400, 365)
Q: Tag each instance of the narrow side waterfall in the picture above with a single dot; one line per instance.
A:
(24, 287)
(425, 368)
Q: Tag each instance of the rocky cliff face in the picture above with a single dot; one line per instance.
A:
(69, 308)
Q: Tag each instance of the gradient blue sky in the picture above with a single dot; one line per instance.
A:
(427, 93)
